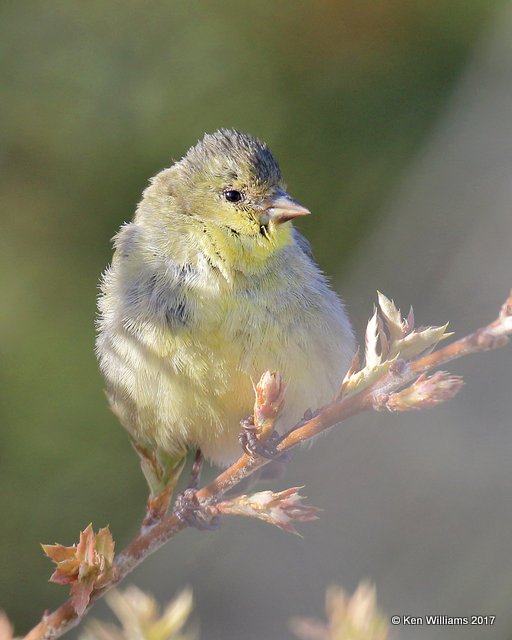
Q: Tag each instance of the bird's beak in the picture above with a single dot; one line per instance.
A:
(282, 207)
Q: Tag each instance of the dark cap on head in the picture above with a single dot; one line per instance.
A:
(228, 151)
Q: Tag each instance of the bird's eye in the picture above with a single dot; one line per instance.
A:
(232, 195)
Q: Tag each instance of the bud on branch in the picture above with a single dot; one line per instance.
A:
(85, 566)
(281, 509)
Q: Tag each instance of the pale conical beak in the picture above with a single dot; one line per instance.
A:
(283, 207)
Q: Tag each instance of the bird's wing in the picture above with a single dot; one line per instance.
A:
(145, 288)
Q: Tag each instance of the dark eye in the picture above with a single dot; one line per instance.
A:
(233, 196)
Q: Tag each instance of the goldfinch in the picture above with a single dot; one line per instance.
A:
(209, 287)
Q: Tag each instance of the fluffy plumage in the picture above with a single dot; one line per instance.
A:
(206, 291)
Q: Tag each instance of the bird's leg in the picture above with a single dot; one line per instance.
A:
(162, 471)
(187, 507)
(195, 473)
(258, 442)
(308, 415)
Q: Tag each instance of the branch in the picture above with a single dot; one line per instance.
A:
(405, 356)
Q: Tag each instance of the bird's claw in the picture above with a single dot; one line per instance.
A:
(190, 511)
(253, 446)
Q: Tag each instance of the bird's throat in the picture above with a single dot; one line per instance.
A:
(234, 253)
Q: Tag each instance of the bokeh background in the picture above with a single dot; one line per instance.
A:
(392, 122)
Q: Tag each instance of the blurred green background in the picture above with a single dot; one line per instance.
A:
(99, 96)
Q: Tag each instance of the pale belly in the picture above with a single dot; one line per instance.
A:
(195, 388)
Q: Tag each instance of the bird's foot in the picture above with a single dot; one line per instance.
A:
(189, 510)
(252, 444)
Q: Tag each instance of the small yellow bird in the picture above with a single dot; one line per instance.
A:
(210, 286)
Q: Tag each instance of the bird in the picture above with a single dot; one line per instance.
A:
(211, 285)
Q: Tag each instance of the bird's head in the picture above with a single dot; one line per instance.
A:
(230, 186)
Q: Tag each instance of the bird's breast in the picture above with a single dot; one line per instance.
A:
(180, 355)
